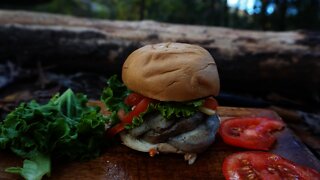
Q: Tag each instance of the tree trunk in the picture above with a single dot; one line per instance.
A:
(286, 63)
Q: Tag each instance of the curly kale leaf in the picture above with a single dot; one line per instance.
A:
(64, 128)
(114, 94)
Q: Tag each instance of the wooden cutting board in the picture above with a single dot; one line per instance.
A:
(120, 162)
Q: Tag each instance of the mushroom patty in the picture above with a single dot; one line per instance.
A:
(189, 135)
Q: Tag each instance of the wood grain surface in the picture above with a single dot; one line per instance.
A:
(120, 162)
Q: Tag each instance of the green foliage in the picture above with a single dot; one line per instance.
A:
(64, 128)
(33, 169)
(202, 12)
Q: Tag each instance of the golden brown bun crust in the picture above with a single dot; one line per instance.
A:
(171, 72)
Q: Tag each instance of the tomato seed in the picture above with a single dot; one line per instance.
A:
(245, 162)
(236, 128)
(235, 131)
(294, 176)
(273, 158)
(245, 168)
(251, 176)
(271, 170)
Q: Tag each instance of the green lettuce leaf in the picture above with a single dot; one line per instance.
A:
(34, 168)
(115, 93)
(64, 128)
(170, 110)
(113, 96)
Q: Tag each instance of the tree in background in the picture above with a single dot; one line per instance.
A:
(246, 14)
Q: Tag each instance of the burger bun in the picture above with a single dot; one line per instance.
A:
(171, 72)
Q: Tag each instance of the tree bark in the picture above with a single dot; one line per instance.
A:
(286, 63)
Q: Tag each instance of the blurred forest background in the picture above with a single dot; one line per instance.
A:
(277, 15)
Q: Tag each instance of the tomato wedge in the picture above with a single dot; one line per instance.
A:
(265, 166)
(250, 132)
(133, 99)
(141, 107)
(210, 103)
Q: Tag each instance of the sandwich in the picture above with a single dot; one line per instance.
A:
(166, 100)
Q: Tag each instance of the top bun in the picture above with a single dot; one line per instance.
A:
(171, 72)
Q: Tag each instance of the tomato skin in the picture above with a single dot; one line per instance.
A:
(115, 129)
(210, 103)
(250, 132)
(141, 107)
(264, 165)
(133, 99)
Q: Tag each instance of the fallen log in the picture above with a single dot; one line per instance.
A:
(286, 63)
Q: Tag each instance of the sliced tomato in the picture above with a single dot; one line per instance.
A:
(210, 103)
(250, 132)
(141, 107)
(265, 166)
(115, 129)
(133, 99)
